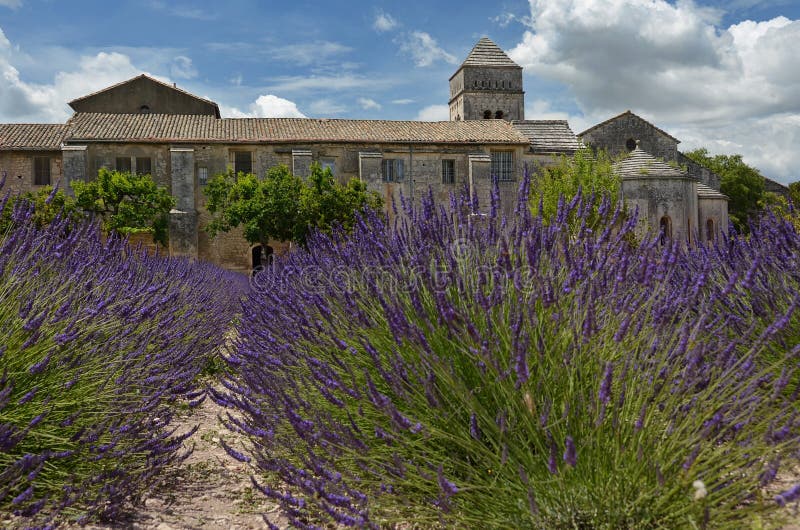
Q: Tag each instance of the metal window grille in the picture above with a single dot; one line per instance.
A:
(123, 164)
(448, 171)
(392, 170)
(202, 175)
(242, 162)
(144, 166)
(502, 165)
(41, 170)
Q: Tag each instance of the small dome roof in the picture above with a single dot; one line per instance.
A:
(640, 164)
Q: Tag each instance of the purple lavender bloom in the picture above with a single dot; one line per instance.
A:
(788, 496)
(570, 456)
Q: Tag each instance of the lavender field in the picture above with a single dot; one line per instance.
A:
(449, 370)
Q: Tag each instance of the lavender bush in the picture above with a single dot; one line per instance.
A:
(100, 346)
(490, 373)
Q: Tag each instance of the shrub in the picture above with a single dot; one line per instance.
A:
(456, 370)
(99, 345)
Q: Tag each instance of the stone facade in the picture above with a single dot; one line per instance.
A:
(143, 125)
(488, 85)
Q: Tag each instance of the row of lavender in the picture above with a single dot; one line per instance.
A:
(100, 346)
(486, 373)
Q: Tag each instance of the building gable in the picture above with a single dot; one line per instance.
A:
(144, 95)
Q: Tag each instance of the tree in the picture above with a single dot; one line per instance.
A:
(743, 185)
(48, 202)
(282, 206)
(592, 173)
(127, 203)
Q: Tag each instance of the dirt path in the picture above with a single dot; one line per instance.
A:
(209, 491)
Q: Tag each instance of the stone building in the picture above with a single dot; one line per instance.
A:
(143, 125)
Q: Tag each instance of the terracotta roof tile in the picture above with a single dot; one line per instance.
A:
(640, 164)
(140, 128)
(32, 136)
(487, 53)
(549, 136)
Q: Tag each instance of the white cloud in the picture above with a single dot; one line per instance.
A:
(541, 109)
(424, 49)
(326, 107)
(13, 4)
(672, 64)
(265, 106)
(384, 22)
(182, 11)
(404, 101)
(270, 106)
(369, 104)
(434, 113)
(182, 68)
(37, 102)
(236, 80)
(308, 53)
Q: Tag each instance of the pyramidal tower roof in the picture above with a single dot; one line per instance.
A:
(487, 53)
(639, 164)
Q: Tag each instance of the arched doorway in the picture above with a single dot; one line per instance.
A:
(665, 229)
(261, 257)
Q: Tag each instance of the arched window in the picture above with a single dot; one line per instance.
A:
(261, 257)
(665, 229)
(458, 117)
(630, 144)
(499, 114)
(144, 109)
(487, 114)
(710, 230)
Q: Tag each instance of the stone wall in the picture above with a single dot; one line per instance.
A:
(658, 197)
(18, 169)
(701, 173)
(716, 211)
(474, 90)
(613, 136)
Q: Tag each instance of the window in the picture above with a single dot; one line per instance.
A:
(499, 114)
(630, 144)
(144, 166)
(41, 170)
(144, 109)
(665, 229)
(202, 175)
(242, 162)
(328, 163)
(448, 171)
(123, 164)
(392, 170)
(487, 114)
(710, 230)
(502, 165)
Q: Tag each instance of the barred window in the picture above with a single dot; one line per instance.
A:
(448, 171)
(123, 164)
(242, 162)
(392, 170)
(144, 165)
(328, 163)
(41, 170)
(502, 165)
(202, 175)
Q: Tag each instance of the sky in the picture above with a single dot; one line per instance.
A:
(724, 75)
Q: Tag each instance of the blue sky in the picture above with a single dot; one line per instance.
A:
(724, 75)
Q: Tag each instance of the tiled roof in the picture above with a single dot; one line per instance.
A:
(549, 136)
(32, 136)
(487, 53)
(642, 164)
(627, 112)
(143, 128)
(705, 192)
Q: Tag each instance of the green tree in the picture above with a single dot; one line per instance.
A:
(743, 185)
(127, 203)
(47, 204)
(282, 206)
(592, 173)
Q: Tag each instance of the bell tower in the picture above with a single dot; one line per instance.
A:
(487, 85)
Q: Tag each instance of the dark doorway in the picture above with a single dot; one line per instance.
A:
(261, 257)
